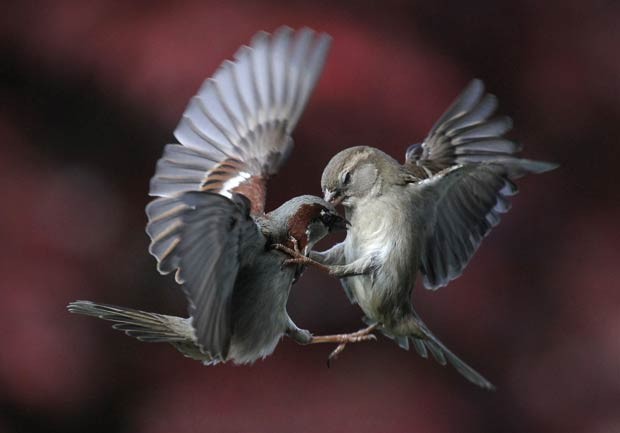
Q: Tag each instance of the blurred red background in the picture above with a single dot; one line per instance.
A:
(91, 91)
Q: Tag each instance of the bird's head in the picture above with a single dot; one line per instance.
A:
(355, 173)
(308, 219)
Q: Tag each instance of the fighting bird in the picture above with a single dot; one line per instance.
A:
(428, 215)
(208, 224)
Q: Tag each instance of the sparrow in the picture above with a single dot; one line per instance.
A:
(428, 216)
(208, 225)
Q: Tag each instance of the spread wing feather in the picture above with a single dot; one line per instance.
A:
(469, 132)
(234, 134)
(461, 205)
(462, 177)
(236, 131)
(200, 236)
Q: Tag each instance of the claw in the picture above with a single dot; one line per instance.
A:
(340, 348)
(297, 258)
(359, 338)
(295, 244)
(294, 254)
(337, 351)
(344, 339)
(284, 249)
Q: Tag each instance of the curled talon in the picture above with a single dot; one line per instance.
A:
(298, 258)
(340, 348)
(337, 351)
(283, 248)
(287, 250)
(344, 339)
(357, 339)
(293, 241)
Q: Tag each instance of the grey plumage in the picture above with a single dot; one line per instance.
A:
(429, 215)
(246, 111)
(211, 233)
(147, 327)
(468, 132)
(236, 285)
(208, 225)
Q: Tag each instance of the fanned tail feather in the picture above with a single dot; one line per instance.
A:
(142, 325)
(443, 355)
(147, 327)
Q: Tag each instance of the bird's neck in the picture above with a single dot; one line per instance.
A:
(279, 232)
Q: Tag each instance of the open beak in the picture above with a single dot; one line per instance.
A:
(333, 197)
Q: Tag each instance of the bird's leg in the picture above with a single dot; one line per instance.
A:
(297, 257)
(300, 336)
(360, 266)
(352, 337)
(332, 256)
(344, 339)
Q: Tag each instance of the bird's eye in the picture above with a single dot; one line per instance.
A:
(346, 179)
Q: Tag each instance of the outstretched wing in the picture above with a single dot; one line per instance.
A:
(469, 132)
(458, 207)
(236, 132)
(201, 236)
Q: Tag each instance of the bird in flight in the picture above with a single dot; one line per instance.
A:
(428, 216)
(208, 224)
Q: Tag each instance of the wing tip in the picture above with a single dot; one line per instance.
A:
(520, 167)
(542, 166)
(476, 84)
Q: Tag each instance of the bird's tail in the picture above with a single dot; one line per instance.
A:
(429, 343)
(149, 327)
(144, 326)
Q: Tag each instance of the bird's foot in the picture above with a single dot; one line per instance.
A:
(344, 339)
(297, 258)
(295, 244)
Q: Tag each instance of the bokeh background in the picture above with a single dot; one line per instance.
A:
(91, 91)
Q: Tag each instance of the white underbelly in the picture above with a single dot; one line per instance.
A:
(374, 241)
(380, 234)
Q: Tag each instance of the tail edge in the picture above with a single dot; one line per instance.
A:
(142, 325)
(442, 354)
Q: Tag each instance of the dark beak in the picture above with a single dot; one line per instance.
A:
(336, 222)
